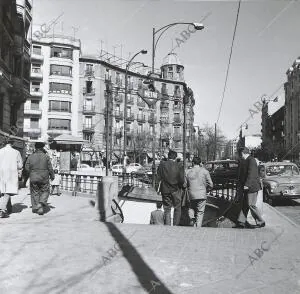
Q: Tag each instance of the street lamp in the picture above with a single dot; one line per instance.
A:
(197, 27)
(125, 102)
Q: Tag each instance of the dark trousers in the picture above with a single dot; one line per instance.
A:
(39, 194)
(55, 190)
(169, 200)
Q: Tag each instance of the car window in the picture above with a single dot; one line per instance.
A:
(233, 165)
(295, 170)
(281, 170)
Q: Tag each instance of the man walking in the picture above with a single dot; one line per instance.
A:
(171, 175)
(39, 167)
(157, 216)
(197, 180)
(10, 163)
(249, 182)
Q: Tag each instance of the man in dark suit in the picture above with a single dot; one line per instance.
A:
(157, 216)
(249, 185)
(171, 175)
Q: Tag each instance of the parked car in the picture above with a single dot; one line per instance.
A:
(133, 168)
(221, 171)
(84, 167)
(117, 169)
(281, 180)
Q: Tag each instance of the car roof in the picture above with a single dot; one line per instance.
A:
(223, 161)
(278, 163)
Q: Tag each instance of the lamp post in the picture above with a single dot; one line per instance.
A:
(161, 31)
(125, 104)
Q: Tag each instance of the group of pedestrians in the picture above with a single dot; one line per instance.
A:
(39, 169)
(178, 187)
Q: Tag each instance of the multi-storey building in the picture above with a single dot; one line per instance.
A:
(102, 92)
(292, 111)
(15, 33)
(53, 105)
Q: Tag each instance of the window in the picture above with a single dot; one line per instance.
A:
(89, 87)
(61, 52)
(59, 124)
(35, 104)
(34, 123)
(37, 50)
(60, 88)
(89, 67)
(36, 68)
(60, 70)
(170, 68)
(140, 128)
(151, 129)
(88, 137)
(88, 121)
(35, 86)
(164, 89)
(60, 106)
(128, 111)
(178, 69)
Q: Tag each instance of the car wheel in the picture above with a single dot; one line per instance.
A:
(270, 201)
(267, 198)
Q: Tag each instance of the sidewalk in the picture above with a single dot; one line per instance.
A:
(68, 251)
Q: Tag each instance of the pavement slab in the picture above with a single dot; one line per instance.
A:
(68, 250)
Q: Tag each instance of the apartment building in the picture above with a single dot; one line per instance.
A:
(15, 33)
(292, 111)
(102, 94)
(52, 109)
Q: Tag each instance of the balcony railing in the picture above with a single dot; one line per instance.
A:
(151, 119)
(141, 118)
(177, 120)
(36, 73)
(37, 56)
(32, 111)
(130, 101)
(130, 116)
(36, 92)
(88, 109)
(177, 137)
(164, 105)
(130, 86)
(119, 82)
(88, 127)
(164, 120)
(32, 129)
(88, 92)
(89, 73)
(107, 78)
(119, 114)
(118, 98)
(177, 108)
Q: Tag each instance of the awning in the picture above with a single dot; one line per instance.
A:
(68, 139)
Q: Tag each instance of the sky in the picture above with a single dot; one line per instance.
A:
(266, 45)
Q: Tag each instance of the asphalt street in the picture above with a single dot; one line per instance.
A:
(291, 209)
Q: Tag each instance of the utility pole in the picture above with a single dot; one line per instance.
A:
(215, 141)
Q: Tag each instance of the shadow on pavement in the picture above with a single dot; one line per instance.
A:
(18, 207)
(48, 207)
(147, 278)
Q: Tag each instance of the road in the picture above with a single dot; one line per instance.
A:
(291, 209)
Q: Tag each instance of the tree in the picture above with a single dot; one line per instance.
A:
(210, 146)
(140, 143)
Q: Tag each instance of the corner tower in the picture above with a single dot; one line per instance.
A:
(172, 68)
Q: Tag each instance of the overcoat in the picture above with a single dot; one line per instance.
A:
(10, 162)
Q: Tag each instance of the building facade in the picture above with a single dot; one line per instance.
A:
(15, 33)
(52, 109)
(145, 116)
(292, 111)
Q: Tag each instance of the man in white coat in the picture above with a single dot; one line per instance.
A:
(10, 162)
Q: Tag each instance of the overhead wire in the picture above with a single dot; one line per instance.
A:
(229, 61)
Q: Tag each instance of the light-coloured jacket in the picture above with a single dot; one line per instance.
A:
(10, 162)
(197, 179)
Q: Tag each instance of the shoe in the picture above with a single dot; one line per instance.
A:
(250, 226)
(40, 211)
(261, 225)
(3, 214)
(34, 210)
(239, 225)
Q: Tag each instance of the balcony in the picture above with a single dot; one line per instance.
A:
(32, 111)
(130, 86)
(89, 73)
(119, 83)
(177, 121)
(164, 120)
(32, 130)
(88, 128)
(88, 92)
(36, 92)
(151, 119)
(118, 98)
(118, 133)
(119, 114)
(177, 108)
(141, 103)
(107, 78)
(177, 137)
(88, 109)
(130, 117)
(130, 101)
(141, 118)
(37, 57)
(164, 105)
(36, 74)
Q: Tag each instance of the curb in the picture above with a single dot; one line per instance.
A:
(282, 215)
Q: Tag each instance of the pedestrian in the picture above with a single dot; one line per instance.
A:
(56, 183)
(171, 175)
(25, 175)
(249, 185)
(11, 164)
(157, 216)
(73, 163)
(39, 167)
(197, 181)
